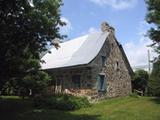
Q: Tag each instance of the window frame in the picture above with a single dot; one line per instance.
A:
(101, 86)
(103, 60)
(76, 81)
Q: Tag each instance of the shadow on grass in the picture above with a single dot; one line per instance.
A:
(18, 109)
(56, 115)
(156, 100)
(11, 108)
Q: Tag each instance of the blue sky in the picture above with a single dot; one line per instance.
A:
(126, 16)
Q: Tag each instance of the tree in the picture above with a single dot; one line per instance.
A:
(154, 81)
(25, 31)
(35, 83)
(153, 17)
(140, 80)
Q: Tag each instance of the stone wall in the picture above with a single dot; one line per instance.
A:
(118, 81)
(65, 77)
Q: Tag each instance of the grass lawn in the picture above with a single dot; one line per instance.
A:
(127, 108)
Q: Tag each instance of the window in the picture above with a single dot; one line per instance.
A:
(117, 65)
(59, 84)
(101, 83)
(76, 81)
(103, 61)
(59, 80)
(112, 44)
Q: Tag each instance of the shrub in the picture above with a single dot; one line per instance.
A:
(134, 94)
(61, 102)
(140, 81)
(154, 81)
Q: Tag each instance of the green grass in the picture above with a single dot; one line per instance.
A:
(127, 108)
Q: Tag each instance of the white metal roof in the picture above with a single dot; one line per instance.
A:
(78, 51)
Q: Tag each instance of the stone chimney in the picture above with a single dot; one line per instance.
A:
(112, 30)
(106, 28)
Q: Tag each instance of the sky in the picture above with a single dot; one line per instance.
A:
(126, 16)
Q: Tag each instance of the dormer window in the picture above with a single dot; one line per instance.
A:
(103, 61)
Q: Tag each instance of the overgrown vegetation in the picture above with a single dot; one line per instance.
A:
(140, 81)
(61, 102)
(154, 81)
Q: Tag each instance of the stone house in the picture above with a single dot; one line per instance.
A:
(91, 65)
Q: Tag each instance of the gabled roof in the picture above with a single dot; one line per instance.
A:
(75, 52)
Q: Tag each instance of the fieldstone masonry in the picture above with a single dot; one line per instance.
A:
(116, 72)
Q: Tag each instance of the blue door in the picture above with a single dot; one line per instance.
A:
(101, 83)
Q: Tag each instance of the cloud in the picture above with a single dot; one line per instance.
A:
(137, 51)
(92, 30)
(67, 28)
(143, 27)
(116, 4)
